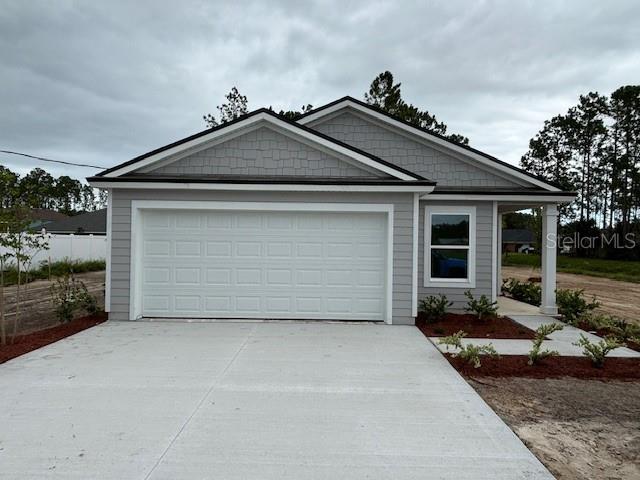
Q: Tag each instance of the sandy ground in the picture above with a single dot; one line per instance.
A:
(617, 298)
(36, 307)
(580, 429)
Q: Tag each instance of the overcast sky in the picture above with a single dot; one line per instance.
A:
(100, 82)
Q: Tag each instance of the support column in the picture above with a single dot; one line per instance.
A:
(499, 254)
(549, 249)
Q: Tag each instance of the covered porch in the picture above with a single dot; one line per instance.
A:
(548, 251)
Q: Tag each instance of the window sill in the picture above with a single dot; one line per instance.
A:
(466, 284)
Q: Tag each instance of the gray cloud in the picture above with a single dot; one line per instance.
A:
(101, 82)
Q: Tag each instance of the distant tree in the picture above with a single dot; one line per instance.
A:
(236, 106)
(36, 189)
(8, 187)
(387, 95)
(67, 193)
(294, 115)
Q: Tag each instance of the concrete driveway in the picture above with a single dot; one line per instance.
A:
(249, 401)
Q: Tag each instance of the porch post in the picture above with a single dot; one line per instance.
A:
(549, 248)
(499, 254)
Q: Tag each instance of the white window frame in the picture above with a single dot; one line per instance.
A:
(470, 281)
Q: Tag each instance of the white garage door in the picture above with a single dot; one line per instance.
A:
(238, 264)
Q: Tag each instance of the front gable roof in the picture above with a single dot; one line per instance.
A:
(251, 120)
(470, 153)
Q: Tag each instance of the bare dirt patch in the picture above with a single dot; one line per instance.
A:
(580, 429)
(32, 341)
(496, 327)
(36, 307)
(617, 298)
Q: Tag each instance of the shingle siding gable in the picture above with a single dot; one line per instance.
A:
(263, 152)
(406, 153)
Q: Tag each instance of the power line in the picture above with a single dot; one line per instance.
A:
(50, 160)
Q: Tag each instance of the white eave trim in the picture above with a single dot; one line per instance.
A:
(263, 187)
(523, 198)
(252, 120)
(426, 136)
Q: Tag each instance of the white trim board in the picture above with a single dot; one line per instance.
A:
(240, 127)
(517, 198)
(470, 281)
(347, 103)
(137, 206)
(263, 187)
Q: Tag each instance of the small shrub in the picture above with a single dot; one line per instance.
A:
(573, 306)
(621, 329)
(470, 353)
(528, 292)
(70, 295)
(482, 308)
(434, 308)
(536, 353)
(598, 351)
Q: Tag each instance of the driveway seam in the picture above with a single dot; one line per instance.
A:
(200, 403)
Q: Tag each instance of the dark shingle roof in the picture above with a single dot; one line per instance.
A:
(90, 222)
(518, 235)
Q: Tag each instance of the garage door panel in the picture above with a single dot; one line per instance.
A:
(264, 264)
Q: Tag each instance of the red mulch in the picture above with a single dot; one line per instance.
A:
(603, 332)
(32, 341)
(498, 327)
(551, 367)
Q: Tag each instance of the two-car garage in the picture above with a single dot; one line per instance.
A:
(244, 260)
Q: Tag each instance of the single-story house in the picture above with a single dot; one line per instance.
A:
(347, 213)
(88, 223)
(517, 240)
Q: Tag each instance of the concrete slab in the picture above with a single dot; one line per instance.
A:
(249, 400)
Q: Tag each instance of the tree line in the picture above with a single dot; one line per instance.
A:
(40, 189)
(594, 149)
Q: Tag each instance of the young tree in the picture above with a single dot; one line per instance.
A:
(21, 246)
(235, 107)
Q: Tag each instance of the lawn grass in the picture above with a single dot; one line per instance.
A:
(624, 270)
(57, 269)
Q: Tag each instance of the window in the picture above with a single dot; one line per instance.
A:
(449, 246)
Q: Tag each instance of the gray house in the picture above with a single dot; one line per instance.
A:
(346, 214)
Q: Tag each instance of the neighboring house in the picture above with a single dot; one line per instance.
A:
(517, 240)
(83, 224)
(346, 214)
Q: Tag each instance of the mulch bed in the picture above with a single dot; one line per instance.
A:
(551, 367)
(603, 332)
(32, 341)
(498, 327)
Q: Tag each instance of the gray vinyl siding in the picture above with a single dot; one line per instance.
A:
(484, 255)
(402, 235)
(406, 152)
(263, 152)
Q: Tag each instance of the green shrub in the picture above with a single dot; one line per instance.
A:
(536, 353)
(434, 308)
(528, 292)
(482, 308)
(573, 306)
(598, 351)
(470, 353)
(70, 295)
(621, 329)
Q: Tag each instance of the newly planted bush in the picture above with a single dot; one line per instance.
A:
(434, 308)
(598, 351)
(469, 352)
(622, 330)
(482, 308)
(528, 292)
(70, 295)
(536, 353)
(573, 306)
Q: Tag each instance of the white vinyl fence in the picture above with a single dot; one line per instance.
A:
(71, 247)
